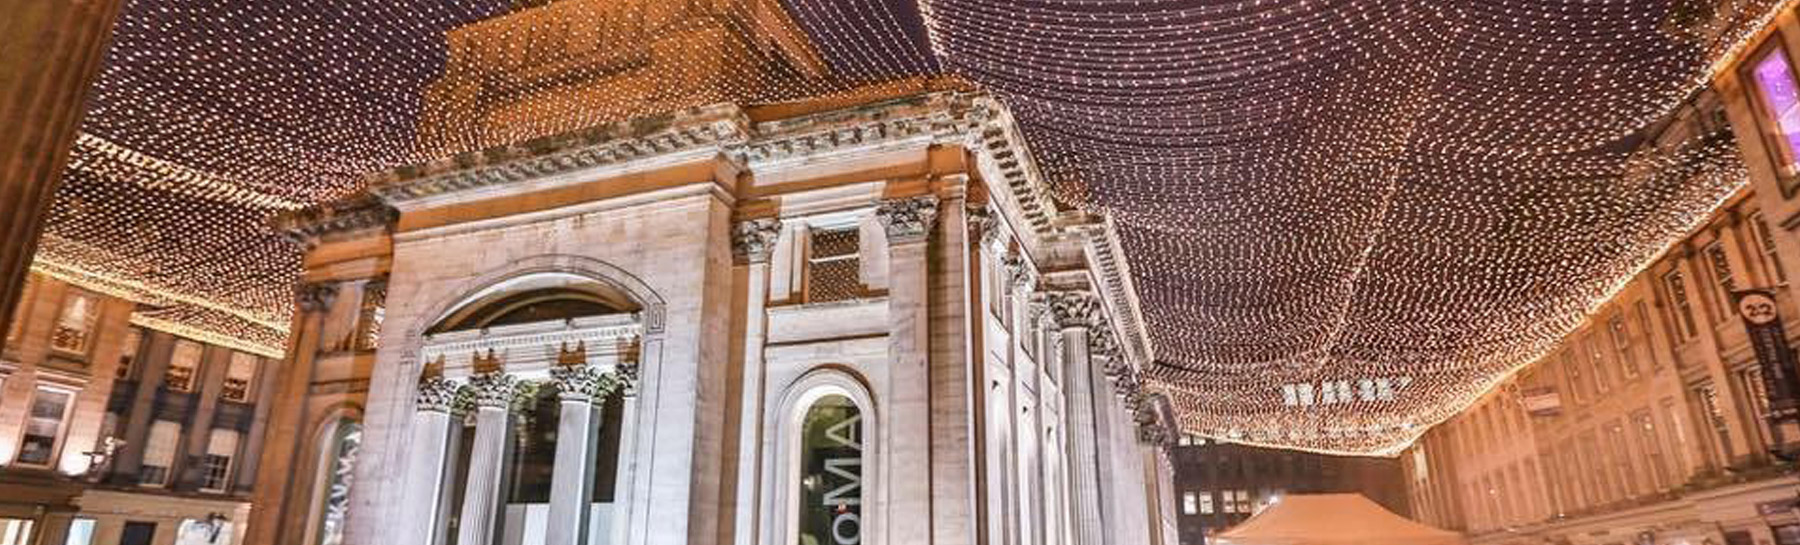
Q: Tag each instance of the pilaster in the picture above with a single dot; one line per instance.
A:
(753, 242)
(908, 224)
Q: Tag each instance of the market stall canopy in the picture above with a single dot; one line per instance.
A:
(1333, 519)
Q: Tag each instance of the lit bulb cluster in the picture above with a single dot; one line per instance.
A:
(1310, 192)
(1347, 219)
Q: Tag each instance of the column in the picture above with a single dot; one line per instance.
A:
(580, 389)
(280, 499)
(752, 243)
(429, 468)
(198, 430)
(53, 52)
(488, 459)
(155, 360)
(623, 485)
(908, 223)
(1075, 313)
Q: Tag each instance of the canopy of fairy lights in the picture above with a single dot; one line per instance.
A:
(1346, 219)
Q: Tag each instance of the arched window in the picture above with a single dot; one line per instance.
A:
(830, 503)
(337, 463)
(828, 471)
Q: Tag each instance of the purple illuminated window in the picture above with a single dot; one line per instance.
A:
(1775, 80)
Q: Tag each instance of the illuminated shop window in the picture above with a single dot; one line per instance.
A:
(831, 473)
(1775, 87)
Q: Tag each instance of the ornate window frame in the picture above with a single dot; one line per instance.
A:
(786, 421)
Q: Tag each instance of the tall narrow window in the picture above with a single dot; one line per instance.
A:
(1572, 368)
(1621, 340)
(183, 362)
(215, 467)
(1642, 310)
(128, 353)
(834, 268)
(44, 426)
(1765, 243)
(159, 453)
(1206, 502)
(1781, 108)
(1651, 443)
(1682, 307)
(1757, 397)
(831, 473)
(75, 324)
(1715, 417)
(1621, 457)
(341, 448)
(1597, 357)
(1190, 503)
(1721, 271)
(238, 377)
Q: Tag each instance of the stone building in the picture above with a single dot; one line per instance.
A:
(1218, 485)
(1661, 420)
(115, 433)
(858, 319)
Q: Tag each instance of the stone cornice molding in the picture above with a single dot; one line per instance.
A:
(753, 241)
(329, 221)
(707, 128)
(908, 220)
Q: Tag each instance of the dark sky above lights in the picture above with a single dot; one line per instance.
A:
(1307, 190)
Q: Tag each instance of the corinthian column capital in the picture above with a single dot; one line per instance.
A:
(494, 389)
(583, 383)
(438, 394)
(1071, 309)
(752, 241)
(908, 219)
(316, 296)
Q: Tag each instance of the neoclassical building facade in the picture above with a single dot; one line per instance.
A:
(828, 322)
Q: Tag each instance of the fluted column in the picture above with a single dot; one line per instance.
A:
(908, 223)
(752, 243)
(428, 467)
(488, 457)
(623, 484)
(52, 53)
(581, 389)
(1076, 314)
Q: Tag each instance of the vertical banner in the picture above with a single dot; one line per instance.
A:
(1779, 368)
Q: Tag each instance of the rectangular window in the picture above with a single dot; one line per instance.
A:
(1678, 432)
(1708, 395)
(1657, 464)
(1780, 104)
(74, 329)
(1190, 503)
(159, 453)
(1597, 358)
(183, 363)
(1682, 307)
(44, 427)
(81, 532)
(1757, 397)
(1765, 243)
(1721, 271)
(16, 531)
(1572, 369)
(215, 473)
(1623, 471)
(1643, 327)
(1621, 338)
(128, 352)
(1206, 502)
(238, 377)
(833, 265)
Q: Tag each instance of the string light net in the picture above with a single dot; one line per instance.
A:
(1346, 218)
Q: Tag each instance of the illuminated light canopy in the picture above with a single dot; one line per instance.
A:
(1309, 192)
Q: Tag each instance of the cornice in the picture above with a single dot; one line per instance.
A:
(312, 225)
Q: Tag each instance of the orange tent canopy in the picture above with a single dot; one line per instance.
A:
(1333, 519)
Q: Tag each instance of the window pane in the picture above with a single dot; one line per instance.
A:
(830, 510)
(238, 376)
(42, 427)
(1775, 82)
(182, 363)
